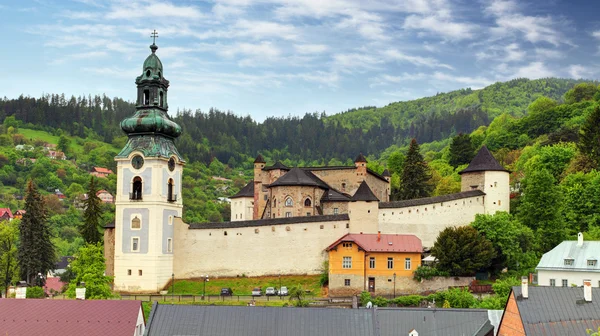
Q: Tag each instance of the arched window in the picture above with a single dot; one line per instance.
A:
(161, 95)
(343, 186)
(307, 202)
(136, 192)
(289, 202)
(170, 196)
(136, 223)
(146, 97)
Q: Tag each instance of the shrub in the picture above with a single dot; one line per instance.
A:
(428, 272)
(35, 293)
(409, 300)
(365, 297)
(324, 278)
(380, 301)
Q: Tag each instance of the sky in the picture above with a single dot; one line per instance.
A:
(287, 57)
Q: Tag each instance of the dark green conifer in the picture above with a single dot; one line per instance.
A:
(589, 137)
(461, 150)
(415, 179)
(90, 230)
(36, 252)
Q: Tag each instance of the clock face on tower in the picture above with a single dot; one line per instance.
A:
(137, 162)
(171, 164)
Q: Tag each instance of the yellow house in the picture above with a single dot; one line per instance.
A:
(378, 263)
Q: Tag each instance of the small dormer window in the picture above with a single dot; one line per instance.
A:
(148, 73)
(569, 262)
(592, 262)
(159, 75)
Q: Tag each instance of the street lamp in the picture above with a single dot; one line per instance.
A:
(172, 287)
(394, 285)
(280, 285)
(205, 279)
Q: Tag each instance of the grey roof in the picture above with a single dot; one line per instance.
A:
(246, 191)
(555, 258)
(299, 177)
(386, 173)
(483, 161)
(259, 159)
(360, 158)
(332, 195)
(431, 200)
(277, 165)
(189, 320)
(270, 221)
(555, 311)
(63, 262)
(433, 322)
(109, 225)
(364, 193)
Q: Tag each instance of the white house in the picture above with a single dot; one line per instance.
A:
(570, 263)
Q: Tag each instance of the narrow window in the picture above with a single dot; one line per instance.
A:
(372, 262)
(170, 196)
(336, 211)
(347, 225)
(225, 233)
(346, 282)
(307, 214)
(136, 223)
(146, 97)
(288, 214)
(161, 99)
(565, 283)
(266, 197)
(390, 263)
(169, 245)
(274, 202)
(591, 263)
(347, 262)
(289, 202)
(307, 202)
(170, 220)
(553, 282)
(128, 272)
(136, 193)
(343, 186)
(135, 244)
(140, 272)
(407, 264)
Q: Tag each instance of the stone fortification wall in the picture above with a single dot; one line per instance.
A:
(343, 179)
(298, 196)
(384, 285)
(425, 218)
(380, 188)
(255, 248)
(109, 250)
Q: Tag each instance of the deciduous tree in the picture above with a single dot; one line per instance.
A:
(462, 251)
(589, 137)
(9, 269)
(89, 266)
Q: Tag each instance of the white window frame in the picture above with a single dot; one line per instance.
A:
(592, 262)
(170, 221)
(371, 262)
(289, 201)
(390, 261)
(565, 282)
(346, 282)
(138, 244)
(169, 245)
(569, 262)
(336, 211)
(553, 282)
(346, 262)
(288, 214)
(407, 263)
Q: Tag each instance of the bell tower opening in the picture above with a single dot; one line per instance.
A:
(170, 196)
(136, 192)
(146, 97)
(161, 95)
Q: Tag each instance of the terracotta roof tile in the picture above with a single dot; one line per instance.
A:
(102, 170)
(6, 211)
(386, 242)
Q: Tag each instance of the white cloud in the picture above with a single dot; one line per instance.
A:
(355, 62)
(430, 62)
(578, 71)
(133, 10)
(222, 11)
(473, 82)
(253, 29)
(533, 70)
(549, 53)
(500, 7)
(441, 26)
(310, 48)
(596, 34)
(80, 56)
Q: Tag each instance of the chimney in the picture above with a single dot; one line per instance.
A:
(580, 239)
(587, 290)
(378, 235)
(524, 287)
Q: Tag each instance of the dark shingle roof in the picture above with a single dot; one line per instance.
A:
(386, 173)
(299, 177)
(269, 221)
(483, 161)
(360, 158)
(246, 191)
(109, 225)
(277, 165)
(431, 200)
(364, 193)
(63, 262)
(555, 311)
(259, 159)
(171, 320)
(332, 195)
(68, 317)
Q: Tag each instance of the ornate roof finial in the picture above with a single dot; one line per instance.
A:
(154, 35)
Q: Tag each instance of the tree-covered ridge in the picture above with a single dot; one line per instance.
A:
(232, 138)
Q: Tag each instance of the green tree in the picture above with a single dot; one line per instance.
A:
(396, 162)
(89, 266)
(90, 230)
(63, 144)
(298, 296)
(35, 252)
(9, 269)
(462, 251)
(580, 92)
(512, 240)
(461, 150)
(589, 136)
(415, 179)
(541, 207)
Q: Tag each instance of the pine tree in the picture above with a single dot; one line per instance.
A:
(461, 150)
(589, 137)
(415, 179)
(36, 252)
(90, 230)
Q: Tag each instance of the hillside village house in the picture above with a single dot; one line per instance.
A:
(101, 172)
(19, 214)
(570, 263)
(105, 196)
(281, 223)
(372, 262)
(56, 155)
(6, 214)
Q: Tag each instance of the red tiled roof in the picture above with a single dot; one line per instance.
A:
(103, 170)
(387, 243)
(55, 284)
(20, 317)
(102, 191)
(20, 212)
(4, 211)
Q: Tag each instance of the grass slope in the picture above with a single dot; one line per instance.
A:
(244, 285)
(47, 137)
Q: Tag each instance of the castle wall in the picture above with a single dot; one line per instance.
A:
(427, 221)
(380, 188)
(298, 194)
(254, 250)
(363, 217)
(343, 180)
(329, 208)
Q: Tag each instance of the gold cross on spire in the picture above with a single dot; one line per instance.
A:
(154, 36)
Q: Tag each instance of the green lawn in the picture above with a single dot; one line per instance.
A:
(244, 285)
(47, 137)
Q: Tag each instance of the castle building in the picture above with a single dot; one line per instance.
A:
(282, 222)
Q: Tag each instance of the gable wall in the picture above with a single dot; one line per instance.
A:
(511, 324)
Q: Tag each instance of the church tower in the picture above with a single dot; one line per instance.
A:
(149, 175)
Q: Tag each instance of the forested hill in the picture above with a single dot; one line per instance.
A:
(232, 138)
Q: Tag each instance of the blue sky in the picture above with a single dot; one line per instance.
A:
(287, 57)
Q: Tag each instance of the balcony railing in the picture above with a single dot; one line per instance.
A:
(172, 198)
(135, 196)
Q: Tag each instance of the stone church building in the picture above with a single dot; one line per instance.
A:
(282, 221)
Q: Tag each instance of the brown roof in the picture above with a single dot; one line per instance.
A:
(386, 242)
(246, 191)
(103, 170)
(259, 159)
(20, 317)
(53, 283)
